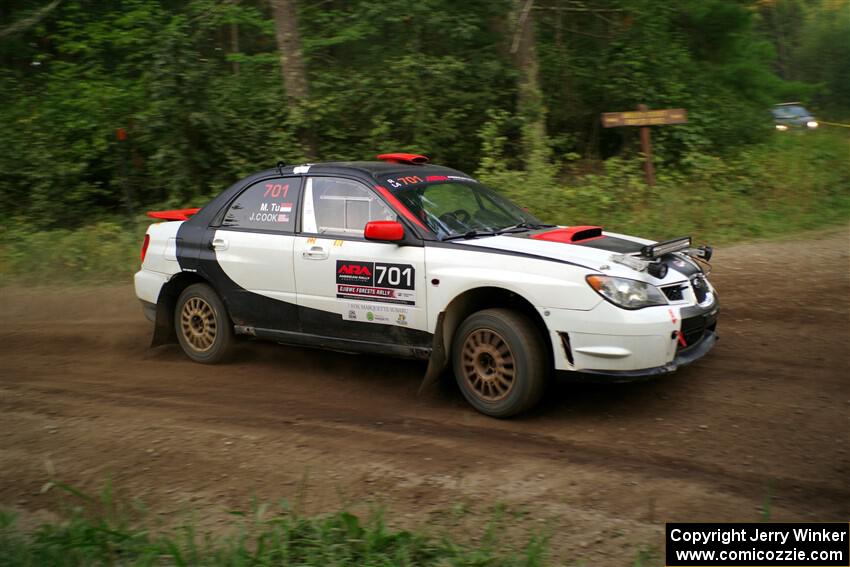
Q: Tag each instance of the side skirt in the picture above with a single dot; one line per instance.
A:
(346, 345)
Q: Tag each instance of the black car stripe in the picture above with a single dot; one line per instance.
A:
(486, 250)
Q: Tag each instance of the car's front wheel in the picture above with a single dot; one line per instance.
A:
(500, 362)
(202, 325)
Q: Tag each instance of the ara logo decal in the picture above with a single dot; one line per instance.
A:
(355, 273)
(354, 269)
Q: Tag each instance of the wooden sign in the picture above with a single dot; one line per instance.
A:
(645, 117)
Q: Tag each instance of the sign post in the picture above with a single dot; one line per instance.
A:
(645, 118)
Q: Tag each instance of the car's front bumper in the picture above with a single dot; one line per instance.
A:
(611, 341)
(683, 358)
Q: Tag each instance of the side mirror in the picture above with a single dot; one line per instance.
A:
(391, 231)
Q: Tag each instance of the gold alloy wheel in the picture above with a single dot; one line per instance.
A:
(197, 322)
(488, 365)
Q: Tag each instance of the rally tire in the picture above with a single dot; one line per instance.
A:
(202, 325)
(500, 362)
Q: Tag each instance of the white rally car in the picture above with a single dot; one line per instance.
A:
(408, 259)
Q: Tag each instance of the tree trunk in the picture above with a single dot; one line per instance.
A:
(529, 98)
(292, 70)
(234, 42)
(234, 45)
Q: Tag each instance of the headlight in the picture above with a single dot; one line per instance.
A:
(812, 124)
(781, 127)
(625, 293)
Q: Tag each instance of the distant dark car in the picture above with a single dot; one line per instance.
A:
(792, 115)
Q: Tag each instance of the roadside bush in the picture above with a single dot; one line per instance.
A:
(105, 251)
(793, 182)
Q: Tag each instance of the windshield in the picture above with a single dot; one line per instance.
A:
(464, 208)
(791, 111)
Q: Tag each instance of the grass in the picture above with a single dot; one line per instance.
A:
(104, 251)
(789, 184)
(97, 531)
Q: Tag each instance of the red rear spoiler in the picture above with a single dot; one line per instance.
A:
(176, 214)
(407, 159)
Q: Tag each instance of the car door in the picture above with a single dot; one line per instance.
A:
(351, 288)
(249, 259)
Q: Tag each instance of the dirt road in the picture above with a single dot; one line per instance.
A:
(766, 417)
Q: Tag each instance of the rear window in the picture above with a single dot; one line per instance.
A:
(267, 205)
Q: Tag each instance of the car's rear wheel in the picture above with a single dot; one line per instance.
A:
(202, 325)
(500, 363)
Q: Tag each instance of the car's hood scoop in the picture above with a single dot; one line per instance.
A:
(570, 234)
(589, 236)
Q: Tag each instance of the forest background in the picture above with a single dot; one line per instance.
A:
(109, 108)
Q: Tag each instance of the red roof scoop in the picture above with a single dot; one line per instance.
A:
(571, 234)
(406, 159)
(173, 215)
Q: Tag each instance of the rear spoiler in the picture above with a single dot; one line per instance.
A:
(173, 215)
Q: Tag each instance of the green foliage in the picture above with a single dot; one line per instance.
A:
(793, 182)
(196, 87)
(823, 56)
(103, 251)
(705, 56)
(100, 532)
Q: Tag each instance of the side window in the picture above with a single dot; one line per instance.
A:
(333, 205)
(269, 205)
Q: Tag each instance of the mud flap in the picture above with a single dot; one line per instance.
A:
(438, 359)
(163, 327)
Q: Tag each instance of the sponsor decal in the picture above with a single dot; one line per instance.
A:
(406, 180)
(268, 217)
(273, 212)
(375, 281)
(402, 181)
(376, 313)
(276, 207)
(354, 272)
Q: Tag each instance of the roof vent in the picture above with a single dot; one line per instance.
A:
(407, 159)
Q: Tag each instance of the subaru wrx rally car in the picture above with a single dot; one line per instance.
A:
(404, 258)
